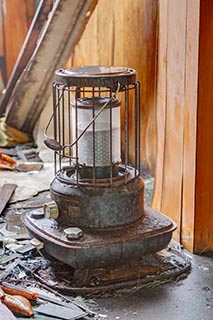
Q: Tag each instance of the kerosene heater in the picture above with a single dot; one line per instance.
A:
(96, 218)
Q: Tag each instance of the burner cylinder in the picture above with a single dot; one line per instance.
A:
(108, 120)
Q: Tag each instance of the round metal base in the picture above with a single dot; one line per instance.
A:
(166, 266)
(98, 208)
(106, 247)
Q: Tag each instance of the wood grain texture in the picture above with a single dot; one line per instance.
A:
(124, 33)
(161, 103)
(184, 170)
(190, 124)
(204, 171)
(175, 82)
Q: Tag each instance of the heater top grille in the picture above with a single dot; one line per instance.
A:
(96, 76)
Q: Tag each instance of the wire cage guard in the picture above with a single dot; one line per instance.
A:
(97, 217)
(92, 110)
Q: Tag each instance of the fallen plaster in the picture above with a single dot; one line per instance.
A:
(28, 183)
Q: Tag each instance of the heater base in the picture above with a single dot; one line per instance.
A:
(103, 247)
(166, 266)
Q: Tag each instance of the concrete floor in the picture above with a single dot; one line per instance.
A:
(189, 299)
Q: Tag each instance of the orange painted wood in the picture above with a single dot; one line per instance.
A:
(30, 10)
(190, 124)
(161, 103)
(204, 167)
(16, 23)
(124, 33)
(175, 87)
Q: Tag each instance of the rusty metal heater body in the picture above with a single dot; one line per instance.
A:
(97, 217)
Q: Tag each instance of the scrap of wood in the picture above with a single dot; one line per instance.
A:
(5, 195)
(61, 312)
(9, 269)
(65, 25)
(9, 258)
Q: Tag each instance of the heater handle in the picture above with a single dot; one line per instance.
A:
(55, 145)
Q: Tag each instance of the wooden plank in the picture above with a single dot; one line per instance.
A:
(161, 103)
(52, 52)
(27, 49)
(172, 180)
(5, 194)
(204, 174)
(190, 124)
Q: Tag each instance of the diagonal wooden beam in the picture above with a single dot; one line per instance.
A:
(27, 49)
(65, 25)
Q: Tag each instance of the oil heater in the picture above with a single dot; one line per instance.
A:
(96, 218)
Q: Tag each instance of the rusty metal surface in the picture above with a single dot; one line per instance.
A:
(104, 248)
(96, 76)
(166, 266)
(82, 148)
(98, 208)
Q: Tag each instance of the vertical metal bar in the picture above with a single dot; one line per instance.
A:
(138, 89)
(77, 95)
(63, 120)
(110, 139)
(54, 122)
(69, 122)
(135, 129)
(93, 133)
(59, 121)
(126, 128)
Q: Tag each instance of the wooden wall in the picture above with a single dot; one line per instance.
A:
(124, 33)
(15, 19)
(177, 94)
(184, 169)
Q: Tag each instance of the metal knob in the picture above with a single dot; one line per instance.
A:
(51, 210)
(73, 233)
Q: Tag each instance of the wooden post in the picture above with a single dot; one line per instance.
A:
(203, 228)
(184, 170)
